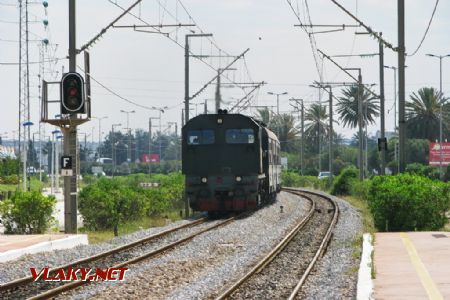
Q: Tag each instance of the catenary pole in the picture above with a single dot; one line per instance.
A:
(360, 126)
(186, 93)
(401, 85)
(70, 139)
(382, 109)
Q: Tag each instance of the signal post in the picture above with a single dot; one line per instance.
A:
(75, 109)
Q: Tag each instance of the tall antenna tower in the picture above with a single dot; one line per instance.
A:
(24, 89)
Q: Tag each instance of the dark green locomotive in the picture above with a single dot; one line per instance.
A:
(231, 162)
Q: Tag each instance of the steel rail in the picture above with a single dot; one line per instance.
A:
(27, 279)
(275, 251)
(72, 285)
(322, 247)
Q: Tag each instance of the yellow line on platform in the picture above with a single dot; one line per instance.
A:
(425, 278)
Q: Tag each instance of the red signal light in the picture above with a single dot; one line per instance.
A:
(73, 92)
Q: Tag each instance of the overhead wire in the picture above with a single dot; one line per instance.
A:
(120, 96)
(176, 41)
(312, 43)
(426, 31)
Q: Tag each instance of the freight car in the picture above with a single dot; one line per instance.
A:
(231, 163)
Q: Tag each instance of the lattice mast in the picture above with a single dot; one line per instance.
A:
(24, 89)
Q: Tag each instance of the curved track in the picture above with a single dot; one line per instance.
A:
(281, 273)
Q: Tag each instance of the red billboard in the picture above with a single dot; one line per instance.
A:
(435, 154)
(150, 158)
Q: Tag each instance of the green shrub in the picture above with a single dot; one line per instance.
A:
(431, 172)
(8, 166)
(27, 212)
(415, 168)
(408, 202)
(89, 179)
(342, 183)
(293, 179)
(9, 179)
(108, 203)
(360, 189)
(447, 174)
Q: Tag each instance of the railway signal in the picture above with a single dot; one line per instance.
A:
(72, 94)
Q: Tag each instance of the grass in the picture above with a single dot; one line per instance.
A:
(368, 227)
(362, 207)
(95, 237)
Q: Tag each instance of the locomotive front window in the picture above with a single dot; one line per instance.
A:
(240, 136)
(200, 137)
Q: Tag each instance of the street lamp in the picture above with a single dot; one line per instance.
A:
(278, 99)
(441, 57)
(161, 111)
(54, 160)
(112, 146)
(129, 132)
(25, 155)
(100, 132)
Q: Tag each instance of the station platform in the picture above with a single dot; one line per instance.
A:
(14, 246)
(412, 265)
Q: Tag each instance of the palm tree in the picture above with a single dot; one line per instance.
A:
(284, 126)
(316, 116)
(422, 114)
(347, 106)
(264, 115)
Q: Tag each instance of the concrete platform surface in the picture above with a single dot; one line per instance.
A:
(412, 265)
(13, 246)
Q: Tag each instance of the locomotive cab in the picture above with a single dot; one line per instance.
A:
(224, 162)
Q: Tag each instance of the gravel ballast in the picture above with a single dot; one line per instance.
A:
(203, 267)
(211, 261)
(335, 276)
(21, 267)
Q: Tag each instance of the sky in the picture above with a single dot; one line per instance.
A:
(148, 68)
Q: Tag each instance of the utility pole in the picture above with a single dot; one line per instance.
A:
(112, 147)
(70, 139)
(186, 82)
(330, 145)
(218, 98)
(99, 133)
(150, 145)
(129, 132)
(401, 84)
(395, 113)
(302, 149)
(302, 131)
(360, 125)
(182, 117)
(382, 116)
(186, 93)
(441, 171)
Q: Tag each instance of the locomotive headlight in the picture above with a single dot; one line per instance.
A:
(238, 178)
(204, 179)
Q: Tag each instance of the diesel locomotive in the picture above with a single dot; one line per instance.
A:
(231, 163)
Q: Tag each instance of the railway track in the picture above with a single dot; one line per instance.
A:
(282, 273)
(118, 257)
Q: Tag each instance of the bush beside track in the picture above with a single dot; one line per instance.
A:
(107, 203)
(403, 202)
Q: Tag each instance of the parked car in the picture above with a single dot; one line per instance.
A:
(324, 174)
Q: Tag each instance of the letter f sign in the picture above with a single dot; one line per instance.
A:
(66, 162)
